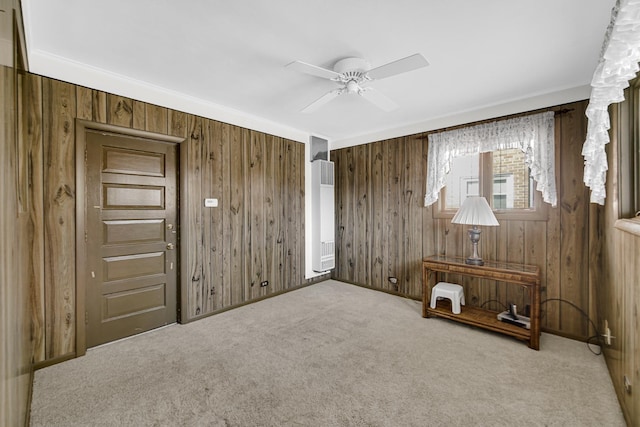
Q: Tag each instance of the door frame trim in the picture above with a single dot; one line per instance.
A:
(82, 126)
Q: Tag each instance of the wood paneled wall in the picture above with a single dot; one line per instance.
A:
(383, 229)
(256, 234)
(16, 352)
(618, 291)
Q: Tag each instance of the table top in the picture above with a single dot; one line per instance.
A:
(488, 265)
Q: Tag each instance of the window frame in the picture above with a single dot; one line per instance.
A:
(538, 212)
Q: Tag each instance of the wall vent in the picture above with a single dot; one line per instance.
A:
(326, 173)
(323, 246)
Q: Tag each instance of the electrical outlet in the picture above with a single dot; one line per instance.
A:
(627, 384)
(607, 333)
(264, 283)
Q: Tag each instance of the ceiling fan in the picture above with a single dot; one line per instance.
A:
(352, 73)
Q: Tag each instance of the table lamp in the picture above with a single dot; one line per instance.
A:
(475, 211)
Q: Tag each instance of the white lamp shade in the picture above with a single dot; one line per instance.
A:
(475, 211)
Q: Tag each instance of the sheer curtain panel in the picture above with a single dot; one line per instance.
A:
(618, 64)
(533, 134)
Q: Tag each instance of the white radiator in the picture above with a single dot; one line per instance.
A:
(323, 251)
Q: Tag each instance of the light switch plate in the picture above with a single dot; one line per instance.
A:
(210, 203)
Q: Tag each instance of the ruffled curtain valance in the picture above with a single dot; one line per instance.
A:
(533, 134)
(618, 64)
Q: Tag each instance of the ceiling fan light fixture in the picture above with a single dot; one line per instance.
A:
(353, 87)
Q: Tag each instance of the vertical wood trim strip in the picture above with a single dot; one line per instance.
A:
(207, 286)
(84, 103)
(271, 219)
(256, 175)
(300, 177)
(194, 227)
(550, 311)
(226, 284)
(139, 117)
(285, 210)
(413, 200)
(247, 215)
(573, 219)
(84, 111)
(217, 253)
(156, 119)
(32, 130)
(99, 104)
(177, 124)
(378, 216)
(360, 226)
(59, 210)
(184, 314)
(237, 224)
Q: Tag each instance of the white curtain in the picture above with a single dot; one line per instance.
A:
(618, 64)
(533, 134)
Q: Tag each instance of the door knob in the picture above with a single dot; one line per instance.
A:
(170, 246)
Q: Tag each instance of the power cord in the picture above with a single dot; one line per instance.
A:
(494, 300)
(597, 336)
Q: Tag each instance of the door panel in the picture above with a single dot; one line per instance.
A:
(131, 214)
(122, 196)
(132, 162)
(133, 231)
(132, 266)
(134, 302)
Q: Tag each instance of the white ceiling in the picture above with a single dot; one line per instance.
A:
(226, 59)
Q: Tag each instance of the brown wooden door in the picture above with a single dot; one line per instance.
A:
(131, 234)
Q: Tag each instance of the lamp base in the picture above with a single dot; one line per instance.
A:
(474, 236)
(474, 261)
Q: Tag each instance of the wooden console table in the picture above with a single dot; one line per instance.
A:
(513, 274)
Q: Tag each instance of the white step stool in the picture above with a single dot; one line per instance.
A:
(451, 291)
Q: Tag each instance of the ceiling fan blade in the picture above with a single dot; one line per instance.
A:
(314, 70)
(378, 99)
(400, 66)
(321, 101)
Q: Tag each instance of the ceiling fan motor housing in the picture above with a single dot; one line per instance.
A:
(351, 64)
(353, 71)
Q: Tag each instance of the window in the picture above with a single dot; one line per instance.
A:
(627, 127)
(498, 160)
(499, 201)
(509, 187)
(511, 179)
(463, 180)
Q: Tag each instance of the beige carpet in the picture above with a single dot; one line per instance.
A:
(330, 354)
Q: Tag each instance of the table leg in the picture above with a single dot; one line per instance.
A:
(425, 286)
(427, 281)
(534, 341)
